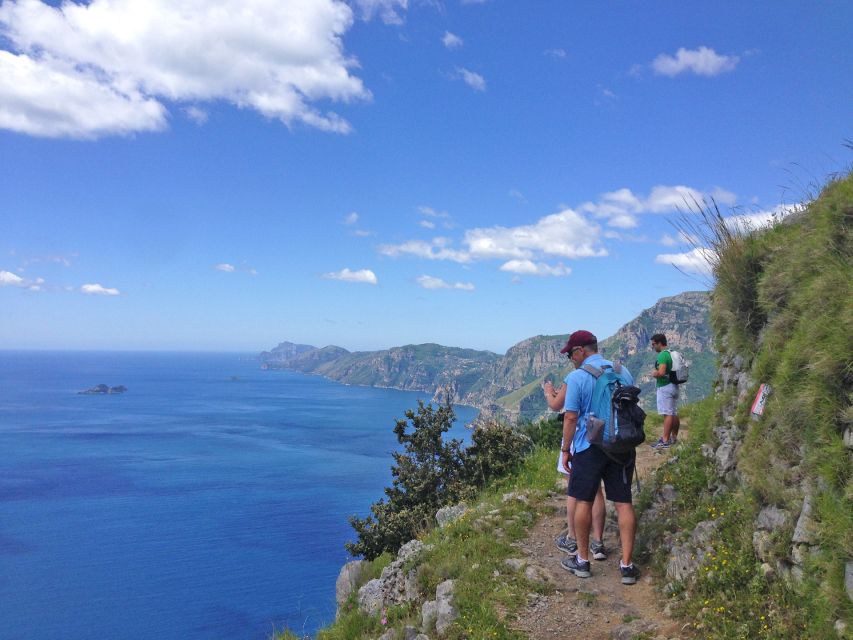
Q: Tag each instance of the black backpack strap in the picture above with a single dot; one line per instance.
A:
(595, 372)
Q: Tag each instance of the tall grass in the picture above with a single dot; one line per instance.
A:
(783, 298)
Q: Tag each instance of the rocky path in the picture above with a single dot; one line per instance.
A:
(599, 607)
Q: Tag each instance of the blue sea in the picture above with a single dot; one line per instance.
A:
(209, 501)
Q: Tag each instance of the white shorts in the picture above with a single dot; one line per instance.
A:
(668, 400)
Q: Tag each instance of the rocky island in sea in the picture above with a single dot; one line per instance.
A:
(102, 389)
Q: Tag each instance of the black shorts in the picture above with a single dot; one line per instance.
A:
(591, 466)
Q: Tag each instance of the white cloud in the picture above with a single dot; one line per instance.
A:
(556, 53)
(435, 250)
(351, 218)
(515, 193)
(429, 282)
(53, 98)
(388, 10)
(427, 224)
(224, 266)
(98, 290)
(745, 222)
(622, 207)
(451, 40)
(362, 233)
(199, 116)
(668, 241)
(362, 275)
(566, 234)
(530, 268)
(432, 213)
(472, 79)
(7, 278)
(702, 61)
(697, 261)
(107, 66)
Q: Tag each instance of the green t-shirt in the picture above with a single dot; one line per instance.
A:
(663, 358)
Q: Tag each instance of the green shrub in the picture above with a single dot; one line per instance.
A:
(431, 473)
(427, 475)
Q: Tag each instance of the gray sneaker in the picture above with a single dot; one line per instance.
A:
(597, 548)
(629, 574)
(580, 569)
(567, 545)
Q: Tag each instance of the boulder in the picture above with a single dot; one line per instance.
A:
(446, 515)
(804, 532)
(725, 457)
(447, 615)
(683, 562)
(848, 438)
(429, 613)
(348, 579)
(771, 518)
(704, 532)
(388, 635)
(395, 585)
(370, 597)
(410, 633)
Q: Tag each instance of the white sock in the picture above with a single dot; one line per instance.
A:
(625, 566)
(581, 559)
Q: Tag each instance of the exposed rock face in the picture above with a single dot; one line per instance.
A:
(394, 586)
(508, 385)
(348, 578)
(103, 389)
(446, 515)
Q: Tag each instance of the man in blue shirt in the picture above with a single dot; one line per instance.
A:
(591, 465)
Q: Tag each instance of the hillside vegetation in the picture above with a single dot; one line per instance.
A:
(508, 386)
(755, 530)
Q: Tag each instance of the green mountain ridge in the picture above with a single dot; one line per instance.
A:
(508, 385)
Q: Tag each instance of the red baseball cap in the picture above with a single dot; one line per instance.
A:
(579, 339)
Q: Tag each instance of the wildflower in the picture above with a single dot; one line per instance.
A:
(384, 620)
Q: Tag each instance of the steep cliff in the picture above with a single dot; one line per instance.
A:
(509, 384)
(684, 319)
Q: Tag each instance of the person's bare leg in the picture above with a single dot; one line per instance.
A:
(667, 428)
(627, 529)
(598, 513)
(676, 425)
(583, 518)
(570, 516)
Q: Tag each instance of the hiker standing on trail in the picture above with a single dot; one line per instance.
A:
(591, 465)
(567, 543)
(667, 393)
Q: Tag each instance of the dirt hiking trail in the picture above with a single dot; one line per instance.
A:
(599, 607)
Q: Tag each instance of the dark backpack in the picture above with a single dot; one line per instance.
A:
(615, 422)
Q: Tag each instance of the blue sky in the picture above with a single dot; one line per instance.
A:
(228, 175)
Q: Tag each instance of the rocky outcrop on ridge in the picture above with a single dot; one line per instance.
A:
(508, 385)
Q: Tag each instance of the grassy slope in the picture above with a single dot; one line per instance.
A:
(784, 300)
(468, 553)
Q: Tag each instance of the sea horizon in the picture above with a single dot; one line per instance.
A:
(208, 501)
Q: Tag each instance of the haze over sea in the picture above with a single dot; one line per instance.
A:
(209, 501)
